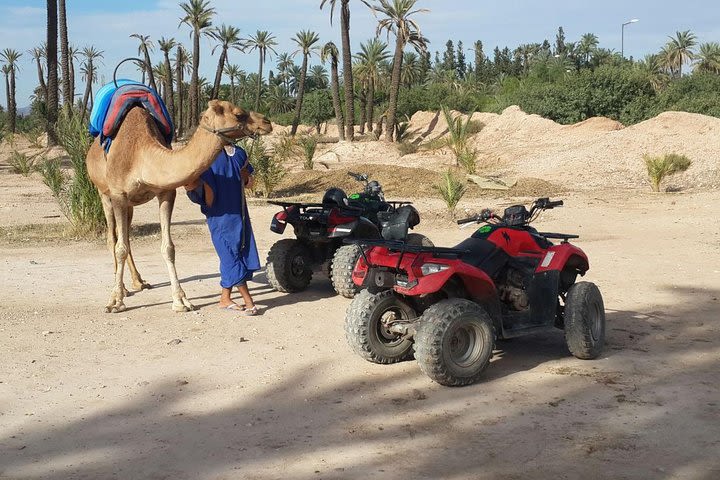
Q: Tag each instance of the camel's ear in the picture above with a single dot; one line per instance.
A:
(216, 107)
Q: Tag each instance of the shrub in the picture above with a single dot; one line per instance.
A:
(309, 145)
(451, 190)
(54, 178)
(285, 148)
(458, 141)
(21, 163)
(402, 131)
(83, 206)
(663, 166)
(406, 148)
(268, 169)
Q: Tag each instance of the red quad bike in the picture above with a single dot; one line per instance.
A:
(449, 305)
(320, 229)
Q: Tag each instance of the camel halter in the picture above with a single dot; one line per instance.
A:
(222, 131)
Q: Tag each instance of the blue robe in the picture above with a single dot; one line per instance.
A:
(228, 218)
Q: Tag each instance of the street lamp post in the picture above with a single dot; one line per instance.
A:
(622, 35)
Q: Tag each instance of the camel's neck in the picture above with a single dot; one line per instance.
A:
(169, 169)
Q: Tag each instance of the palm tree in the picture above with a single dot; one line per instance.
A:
(263, 41)
(708, 58)
(679, 50)
(167, 44)
(372, 54)
(198, 16)
(398, 21)
(182, 62)
(318, 77)
(588, 44)
(278, 100)
(8, 98)
(145, 47)
(89, 69)
(306, 41)
(284, 62)
(330, 51)
(52, 84)
(65, 57)
(347, 62)
(11, 57)
(232, 71)
(411, 73)
(227, 37)
(73, 55)
(38, 53)
(652, 67)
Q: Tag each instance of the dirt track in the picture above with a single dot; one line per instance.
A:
(85, 394)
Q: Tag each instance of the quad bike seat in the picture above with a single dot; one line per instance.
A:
(484, 255)
(395, 224)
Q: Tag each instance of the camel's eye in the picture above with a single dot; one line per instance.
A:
(242, 117)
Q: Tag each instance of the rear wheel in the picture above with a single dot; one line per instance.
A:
(418, 239)
(366, 327)
(289, 267)
(343, 264)
(454, 342)
(584, 316)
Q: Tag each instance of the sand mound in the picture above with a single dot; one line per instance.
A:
(597, 124)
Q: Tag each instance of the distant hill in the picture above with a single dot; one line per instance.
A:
(24, 111)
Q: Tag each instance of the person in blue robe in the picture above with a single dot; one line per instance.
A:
(220, 194)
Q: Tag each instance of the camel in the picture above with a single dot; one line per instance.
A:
(140, 166)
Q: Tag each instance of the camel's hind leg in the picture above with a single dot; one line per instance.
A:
(120, 214)
(137, 282)
(167, 248)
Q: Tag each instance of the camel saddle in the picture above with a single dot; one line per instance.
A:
(114, 101)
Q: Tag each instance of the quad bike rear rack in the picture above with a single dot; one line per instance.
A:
(403, 248)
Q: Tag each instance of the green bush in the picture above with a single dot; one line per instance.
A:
(83, 206)
(309, 145)
(21, 163)
(269, 171)
(286, 148)
(451, 189)
(54, 178)
(458, 141)
(663, 166)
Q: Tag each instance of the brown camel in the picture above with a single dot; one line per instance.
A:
(140, 166)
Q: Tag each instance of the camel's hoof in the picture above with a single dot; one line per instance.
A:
(142, 285)
(116, 308)
(183, 305)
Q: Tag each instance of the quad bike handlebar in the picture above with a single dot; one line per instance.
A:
(538, 205)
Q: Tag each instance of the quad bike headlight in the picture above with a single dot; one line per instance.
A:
(430, 268)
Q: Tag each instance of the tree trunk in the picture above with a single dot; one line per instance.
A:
(41, 79)
(394, 89)
(9, 98)
(363, 111)
(169, 86)
(336, 97)
(347, 70)
(64, 56)
(232, 89)
(13, 101)
(52, 96)
(301, 93)
(194, 87)
(86, 96)
(218, 74)
(72, 81)
(148, 67)
(179, 81)
(370, 104)
(259, 83)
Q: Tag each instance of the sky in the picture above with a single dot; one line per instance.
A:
(107, 25)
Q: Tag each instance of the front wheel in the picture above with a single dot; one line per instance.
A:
(288, 266)
(366, 329)
(343, 264)
(584, 316)
(454, 342)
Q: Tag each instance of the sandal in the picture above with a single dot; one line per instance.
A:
(233, 307)
(250, 312)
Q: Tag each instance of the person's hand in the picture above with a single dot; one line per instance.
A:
(193, 185)
(247, 178)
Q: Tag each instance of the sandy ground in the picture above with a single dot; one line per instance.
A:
(150, 394)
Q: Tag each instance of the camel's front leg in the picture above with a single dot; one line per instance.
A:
(119, 209)
(167, 248)
(111, 234)
(137, 282)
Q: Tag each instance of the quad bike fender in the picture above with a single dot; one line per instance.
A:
(360, 228)
(565, 255)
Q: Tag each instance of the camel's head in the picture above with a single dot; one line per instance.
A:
(234, 122)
